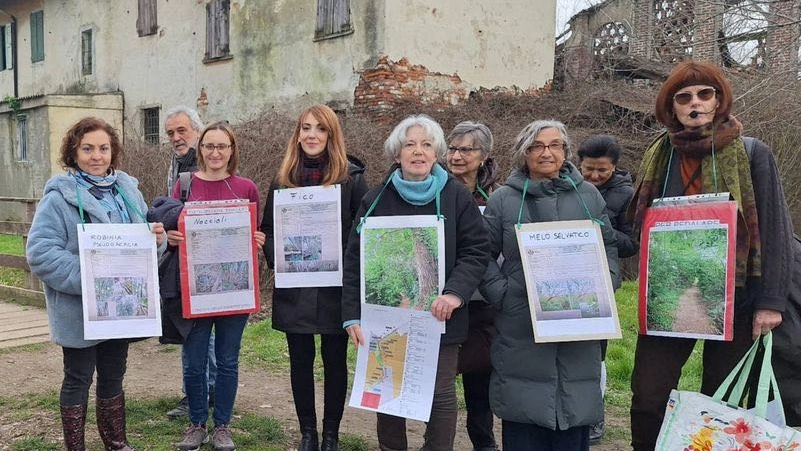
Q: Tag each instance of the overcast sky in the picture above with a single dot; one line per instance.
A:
(565, 9)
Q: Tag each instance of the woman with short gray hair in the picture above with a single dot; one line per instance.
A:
(417, 184)
(547, 401)
(469, 147)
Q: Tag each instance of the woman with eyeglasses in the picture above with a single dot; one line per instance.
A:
(546, 394)
(468, 160)
(215, 180)
(701, 149)
(92, 191)
(417, 184)
(315, 156)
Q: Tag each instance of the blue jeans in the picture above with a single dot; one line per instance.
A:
(228, 337)
(211, 369)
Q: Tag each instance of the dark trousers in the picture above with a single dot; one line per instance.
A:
(657, 367)
(479, 414)
(334, 351)
(109, 358)
(441, 426)
(530, 437)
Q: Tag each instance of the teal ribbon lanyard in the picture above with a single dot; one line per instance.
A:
(522, 202)
(482, 192)
(80, 205)
(363, 219)
(583, 204)
(124, 199)
(132, 207)
(370, 209)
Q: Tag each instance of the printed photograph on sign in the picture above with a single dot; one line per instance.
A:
(224, 277)
(570, 298)
(120, 297)
(401, 267)
(687, 280)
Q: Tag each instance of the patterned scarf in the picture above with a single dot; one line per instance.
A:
(733, 170)
(312, 169)
(103, 189)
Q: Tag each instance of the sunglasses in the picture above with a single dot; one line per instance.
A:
(684, 97)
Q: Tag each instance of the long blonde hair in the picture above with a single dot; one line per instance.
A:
(337, 170)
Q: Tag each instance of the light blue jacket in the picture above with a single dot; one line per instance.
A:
(52, 250)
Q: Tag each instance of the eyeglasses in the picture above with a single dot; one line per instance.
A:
(462, 150)
(684, 97)
(219, 147)
(540, 147)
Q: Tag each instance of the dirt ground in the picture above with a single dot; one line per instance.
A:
(153, 373)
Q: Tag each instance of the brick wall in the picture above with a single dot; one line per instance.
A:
(783, 37)
(389, 84)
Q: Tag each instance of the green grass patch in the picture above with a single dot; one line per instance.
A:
(620, 354)
(35, 444)
(11, 245)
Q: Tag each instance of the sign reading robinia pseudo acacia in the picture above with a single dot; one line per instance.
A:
(119, 281)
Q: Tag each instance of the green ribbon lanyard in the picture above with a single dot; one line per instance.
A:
(124, 199)
(670, 161)
(575, 187)
(363, 219)
(482, 192)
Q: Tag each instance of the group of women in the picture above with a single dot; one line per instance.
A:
(547, 395)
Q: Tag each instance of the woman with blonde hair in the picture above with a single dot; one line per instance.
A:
(315, 156)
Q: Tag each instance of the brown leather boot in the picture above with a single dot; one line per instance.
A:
(73, 420)
(111, 423)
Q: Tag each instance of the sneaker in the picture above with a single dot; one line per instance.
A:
(596, 432)
(181, 410)
(194, 436)
(221, 439)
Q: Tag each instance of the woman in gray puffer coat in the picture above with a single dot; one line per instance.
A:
(547, 394)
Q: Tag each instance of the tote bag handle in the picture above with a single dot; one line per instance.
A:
(737, 380)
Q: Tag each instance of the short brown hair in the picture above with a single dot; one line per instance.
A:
(72, 139)
(689, 73)
(233, 162)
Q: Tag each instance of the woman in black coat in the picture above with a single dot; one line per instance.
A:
(315, 156)
(419, 185)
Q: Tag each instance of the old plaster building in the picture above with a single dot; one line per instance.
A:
(131, 60)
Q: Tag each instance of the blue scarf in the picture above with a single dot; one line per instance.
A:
(103, 189)
(422, 192)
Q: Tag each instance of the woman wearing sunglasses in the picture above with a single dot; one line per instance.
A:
(701, 149)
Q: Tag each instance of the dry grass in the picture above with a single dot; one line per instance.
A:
(613, 107)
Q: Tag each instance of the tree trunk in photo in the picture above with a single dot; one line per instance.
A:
(426, 267)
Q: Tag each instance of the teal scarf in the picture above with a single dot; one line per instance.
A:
(422, 192)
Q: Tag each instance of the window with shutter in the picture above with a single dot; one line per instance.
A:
(22, 137)
(8, 55)
(3, 65)
(86, 52)
(147, 21)
(333, 19)
(217, 23)
(37, 36)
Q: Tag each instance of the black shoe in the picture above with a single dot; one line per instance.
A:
(596, 432)
(330, 441)
(309, 441)
(181, 410)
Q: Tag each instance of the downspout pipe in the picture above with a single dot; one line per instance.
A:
(14, 61)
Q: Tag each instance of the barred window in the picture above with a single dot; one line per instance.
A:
(86, 52)
(150, 125)
(22, 137)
